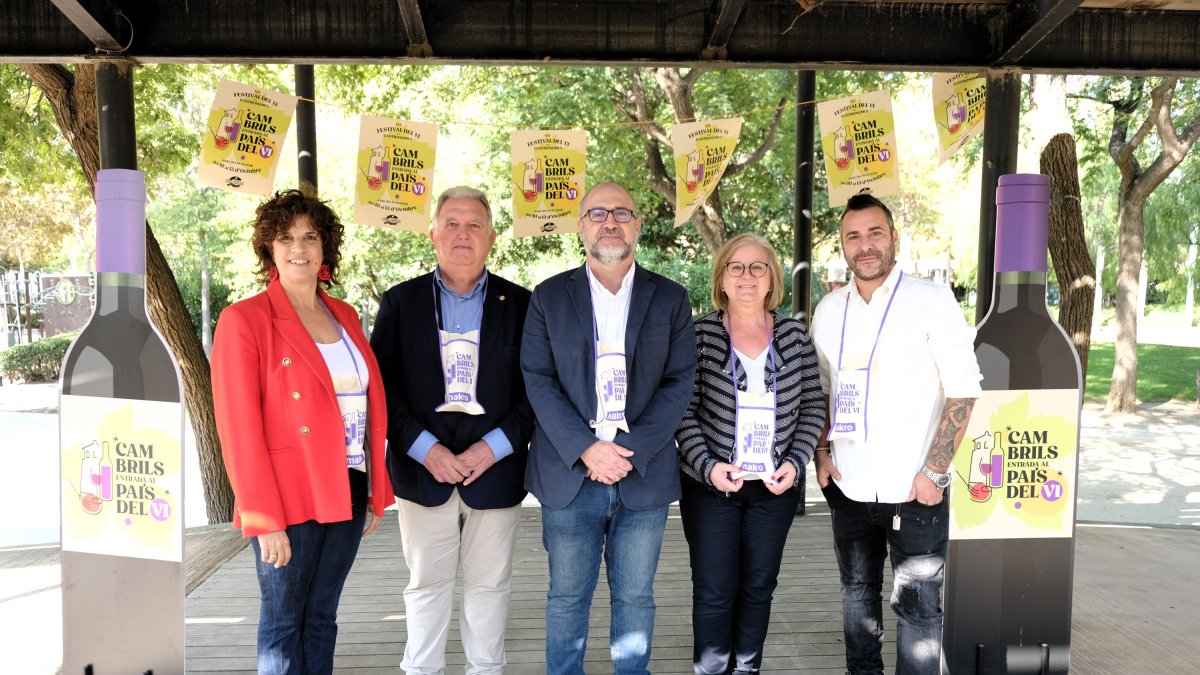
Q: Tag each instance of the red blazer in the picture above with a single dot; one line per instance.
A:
(281, 430)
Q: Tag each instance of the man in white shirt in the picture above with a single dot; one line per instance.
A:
(898, 365)
(609, 359)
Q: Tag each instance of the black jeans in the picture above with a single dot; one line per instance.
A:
(735, 544)
(863, 536)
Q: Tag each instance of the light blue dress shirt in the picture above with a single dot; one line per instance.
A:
(461, 314)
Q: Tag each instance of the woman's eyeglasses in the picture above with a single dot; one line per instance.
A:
(737, 269)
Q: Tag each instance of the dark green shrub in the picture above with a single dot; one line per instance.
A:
(37, 362)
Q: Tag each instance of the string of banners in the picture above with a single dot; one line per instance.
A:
(247, 125)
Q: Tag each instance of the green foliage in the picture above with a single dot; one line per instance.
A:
(692, 272)
(1164, 373)
(32, 150)
(1170, 210)
(36, 362)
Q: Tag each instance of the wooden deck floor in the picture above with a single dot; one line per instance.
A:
(806, 623)
(1136, 606)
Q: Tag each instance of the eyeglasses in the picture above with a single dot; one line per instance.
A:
(737, 269)
(619, 214)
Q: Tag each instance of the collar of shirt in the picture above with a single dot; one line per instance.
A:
(884, 290)
(611, 310)
(460, 313)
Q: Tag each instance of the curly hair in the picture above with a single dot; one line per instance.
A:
(276, 216)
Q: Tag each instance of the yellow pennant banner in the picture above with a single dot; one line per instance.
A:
(702, 151)
(958, 105)
(394, 173)
(858, 137)
(548, 169)
(242, 138)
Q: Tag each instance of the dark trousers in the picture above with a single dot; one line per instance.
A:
(297, 622)
(735, 544)
(863, 537)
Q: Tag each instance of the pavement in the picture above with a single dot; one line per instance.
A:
(1139, 483)
(1136, 469)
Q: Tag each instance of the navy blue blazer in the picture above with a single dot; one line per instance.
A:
(405, 342)
(558, 363)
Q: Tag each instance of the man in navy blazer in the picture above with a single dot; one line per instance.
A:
(459, 423)
(608, 358)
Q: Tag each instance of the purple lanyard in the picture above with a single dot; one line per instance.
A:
(595, 328)
(437, 315)
(353, 361)
(733, 368)
(737, 407)
(871, 358)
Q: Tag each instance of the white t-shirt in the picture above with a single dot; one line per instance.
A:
(925, 355)
(756, 370)
(341, 369)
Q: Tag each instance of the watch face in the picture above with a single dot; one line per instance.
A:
(941, 480)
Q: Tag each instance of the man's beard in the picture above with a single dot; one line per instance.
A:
(610, 254)
(887, 259)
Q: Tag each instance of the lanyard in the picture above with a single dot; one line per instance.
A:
(871, 358)
(733, 365)
(595, 327)
(353, 361)
(437, 302)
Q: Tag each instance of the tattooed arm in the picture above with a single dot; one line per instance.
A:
(950, 430)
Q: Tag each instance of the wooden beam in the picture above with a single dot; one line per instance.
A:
(836, 34)
(414, 28)
(1049, 15)
(726, 21)
(88, 25)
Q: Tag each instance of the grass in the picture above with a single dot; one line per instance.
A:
(1164, 373)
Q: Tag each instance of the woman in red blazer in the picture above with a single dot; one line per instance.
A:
(302, 418)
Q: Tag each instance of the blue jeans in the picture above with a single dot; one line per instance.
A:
(863, 536)
(297, 621)
(735, 544)
(575, 536)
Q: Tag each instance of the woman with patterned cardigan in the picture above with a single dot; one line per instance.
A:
(756, 412)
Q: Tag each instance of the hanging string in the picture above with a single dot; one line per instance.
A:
(598, 125)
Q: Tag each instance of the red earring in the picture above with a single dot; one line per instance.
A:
(273, 274)
(323, 273)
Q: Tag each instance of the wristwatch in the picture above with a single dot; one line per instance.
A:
(941, 480)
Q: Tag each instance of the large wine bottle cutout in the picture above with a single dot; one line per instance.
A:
(1012, 507)
(120, 431)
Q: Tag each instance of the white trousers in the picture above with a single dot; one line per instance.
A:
(434, 549)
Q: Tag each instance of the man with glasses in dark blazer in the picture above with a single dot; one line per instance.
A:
(608, 358)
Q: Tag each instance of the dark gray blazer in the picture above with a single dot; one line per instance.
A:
(558, 364)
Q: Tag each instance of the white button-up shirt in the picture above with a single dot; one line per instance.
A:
(925, 355)
(611, 315)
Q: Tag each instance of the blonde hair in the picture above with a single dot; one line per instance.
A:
(774, 296)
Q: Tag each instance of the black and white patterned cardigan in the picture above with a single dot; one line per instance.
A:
(706, 434)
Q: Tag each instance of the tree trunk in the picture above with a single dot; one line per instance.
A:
(1190, 303)
(1143, 287)
(1122, 397)
(1098, 299)
(1137, 183)
(1068, 245)
(205, 299)
(72, 96)
(1048, 115)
